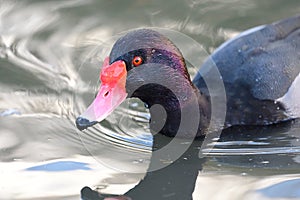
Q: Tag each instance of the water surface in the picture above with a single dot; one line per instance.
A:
(50, 56)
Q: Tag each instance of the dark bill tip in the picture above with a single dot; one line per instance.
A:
(83, 123)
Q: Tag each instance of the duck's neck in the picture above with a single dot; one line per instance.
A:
(184, 114)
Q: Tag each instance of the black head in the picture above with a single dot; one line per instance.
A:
(151, 47)
(155, 72)
(159, 60)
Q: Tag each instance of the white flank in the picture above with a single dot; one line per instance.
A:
(291, 100)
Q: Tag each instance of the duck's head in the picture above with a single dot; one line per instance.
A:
(143, 64)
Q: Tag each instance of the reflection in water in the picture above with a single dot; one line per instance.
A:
(46, 80)
(177, 181)
(274, 148)
(60, 166)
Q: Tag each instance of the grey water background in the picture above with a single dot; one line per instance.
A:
(49, 69)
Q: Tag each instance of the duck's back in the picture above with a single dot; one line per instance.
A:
(260, 70)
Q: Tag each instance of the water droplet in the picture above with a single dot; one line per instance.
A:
(134, 105)
(265, 162)
(138, 161)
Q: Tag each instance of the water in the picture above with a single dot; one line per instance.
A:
(50, 55)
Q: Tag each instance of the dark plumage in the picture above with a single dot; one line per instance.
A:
(258, 68)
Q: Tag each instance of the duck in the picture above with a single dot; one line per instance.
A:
(259, 69)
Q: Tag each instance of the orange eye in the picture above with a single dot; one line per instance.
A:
(137, 60)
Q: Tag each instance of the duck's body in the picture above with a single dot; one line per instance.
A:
(259, 68)
(260, 71)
